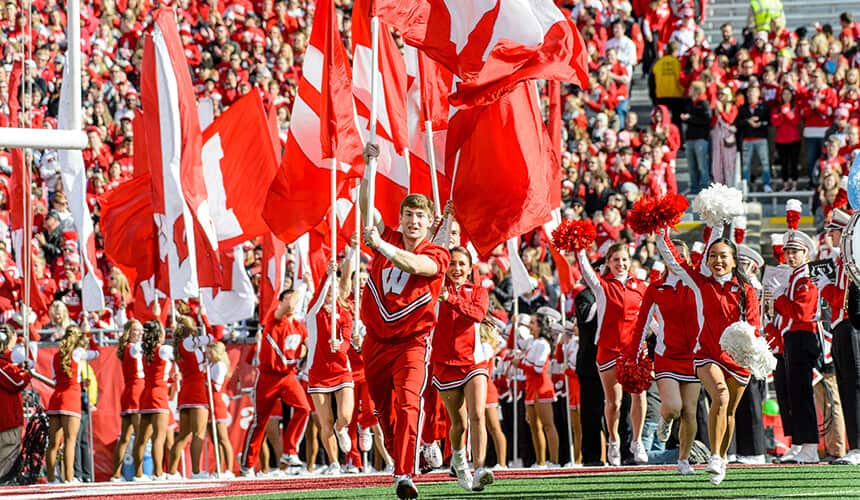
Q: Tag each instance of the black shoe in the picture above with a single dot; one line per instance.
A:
(405, 488)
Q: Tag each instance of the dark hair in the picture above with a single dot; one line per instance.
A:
(284, 294)
(417, 201)
(463, 251)
(737, 272)
(149, 342)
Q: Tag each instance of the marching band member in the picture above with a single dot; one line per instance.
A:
(540, 393)
(14, 378)
(459, 367)
(798, 303)
(329, 373)
(846, 343)
(64, 408)
(618, 295)
(189, 348)
(130, 354)
(154, 401)
(673, 311)
(219, 370)
(280, 353)
(727, 297)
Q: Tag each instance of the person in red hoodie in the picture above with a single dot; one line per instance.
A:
(661, 123)
(14, 378)
(786, 119)
(818, 104)
(798, 304)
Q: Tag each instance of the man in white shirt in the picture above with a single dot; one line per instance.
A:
(623, 46)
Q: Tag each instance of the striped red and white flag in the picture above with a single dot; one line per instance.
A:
(271, 272)
(187, 237)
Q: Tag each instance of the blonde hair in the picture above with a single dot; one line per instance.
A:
(72, 339)
(488, 334)
(183, 329)
(219, 353)
(126, 334)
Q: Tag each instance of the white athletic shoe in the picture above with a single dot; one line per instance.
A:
(117, 479)
(551, 465)
(332, 469)
(500, 467)
(389, 468)
(404, 488)
(174, 477)
(808, 454)
(664, 430)
(851, 458)
(715, 465)
(200, 475)
(685, 469)
(483, 478)
(138, 479)
(349, 469)
(640, 456)
(613, 453)
(433, 455)
(344, 442)
(248, 473)
(750, 459)
(461, 467)
(291, 460)
(365, 440)
(791, 455)
(227, 474)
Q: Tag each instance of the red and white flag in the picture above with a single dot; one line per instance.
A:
(129, 232)
(239, 164)
(235, 299)
(272, 272)
(322, 127)
(74, 177)
(187, 239)
(506, 177)
(491, 44)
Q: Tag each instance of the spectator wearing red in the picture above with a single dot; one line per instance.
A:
(818, 103)
(14, 378)
(786, 119)
(832, 161)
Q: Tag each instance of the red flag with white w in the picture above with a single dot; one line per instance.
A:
(322, 127)
(187, 238)
(491, 44)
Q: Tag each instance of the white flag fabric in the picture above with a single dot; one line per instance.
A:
(74, 177)
(520, 280)
(236, 304)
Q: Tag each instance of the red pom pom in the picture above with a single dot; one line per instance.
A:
(573, 236)
(650, 214)
(633, 375)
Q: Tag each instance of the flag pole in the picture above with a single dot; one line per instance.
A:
(333, 228)
(374, 90)
(356, 287)
(431, 159)
(516, 458)
(215, 438)
(26, 251)
(562, 301)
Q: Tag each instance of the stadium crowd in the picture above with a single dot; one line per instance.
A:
(766, 108)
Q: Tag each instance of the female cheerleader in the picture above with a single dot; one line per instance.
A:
(154, 409)
(64, 408)
(727, 297)
(189, 349)
(328, 368)
(459, 367)
(672, 310)
(540, 393)
(618, 295)
(130, 355)
(219, 370)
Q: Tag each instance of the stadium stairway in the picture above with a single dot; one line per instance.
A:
(797, 13)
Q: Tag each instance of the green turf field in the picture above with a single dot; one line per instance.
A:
(825, 482)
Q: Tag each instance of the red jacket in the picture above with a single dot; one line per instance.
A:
(13, 380)
(799, 304)
(787, 123)
(281, 347)
(819, 113)
(456, 340)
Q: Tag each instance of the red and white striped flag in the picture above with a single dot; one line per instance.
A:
(187, 238)
(74, 177)
(272, 272)
(322, 127)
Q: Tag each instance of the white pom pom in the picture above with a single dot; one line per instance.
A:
(748, 350)
(718, 204)
(698, 247)
(658, 267)
(793, 205)
(740, 222)
(776, 239)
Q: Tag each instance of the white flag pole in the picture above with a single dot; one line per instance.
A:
(516, 457)
(431, 159)
(374, 90)
(562, 306)
(333, 228)
(215, 438)
(356, 287)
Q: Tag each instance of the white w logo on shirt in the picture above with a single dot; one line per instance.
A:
(393, 280)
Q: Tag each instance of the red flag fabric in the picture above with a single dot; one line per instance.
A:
(127, 227)
(503, 170)
(187, 238)
(491, 45)
(554, 116)
(294, 203)
(235, 178)
(141, 160)
(272, 272)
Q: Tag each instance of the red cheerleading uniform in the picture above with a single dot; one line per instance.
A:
(458, 353)
(327, 371)
(192, 363)
(279, 356)
(674, 312)
(720, 308)
(218, 376)
(13, 380)
(155, 398)
(133, 378)
(617, 310)
(398, 310)
(535, 365)
(66, 399)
